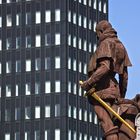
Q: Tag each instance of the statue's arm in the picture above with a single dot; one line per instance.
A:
(123, 80)
(102, 69)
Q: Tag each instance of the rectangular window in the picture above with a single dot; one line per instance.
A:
(17, 113)
(17, 90)
(38, 41)
(27, 89)
(28, 65)
(0, 68)
(80, 20)
(47, 87)
(9, 20)
(28, 18)
(85, 45)
(18, 66)
(17, 136)
(57, 86)
(48, 16)
(80, 43)
(0, 97)
(18, 42)
(85, 68)
(69, 87)
(85, 22)
(69, 111)
(95, 119)
(74, 88)
(37, 88)
(47, 111)
(80, 91)
(90, 138)
(8, 67)
(69, 135)
(7, 136)
(74, 112)
(37, 135)
(69, 63)
(37, 64)
(0, 44)
(80, 136)
(38, 17)
(57, 15)
(85, 137)
(18, 19)
(95, 4)
(74, 65)
(69, 16)
(69, 39)
(57, 62)
(94, 26)
(80, 66)
(57, 110)
(57, 39)
(74, 135)
(85, 2)
(47, 63)
(37, 112)
(74, 41)
(85, 115)
(27, 113)
(74, 18)
(104, 8)
(89, 47)
(57, 134)
(8, 1)
(8, 43)
(28, 41)
(89, 25)
(80, 114)
(89, 3)
(7, 115)
(90, 117)
(0, 21)
(47, 39)
(94, 47)
(27, 135)
(95, 138)
(47, 135)
(100, 5)
(8, 90)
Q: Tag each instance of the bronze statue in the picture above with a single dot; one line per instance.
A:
(109, 59)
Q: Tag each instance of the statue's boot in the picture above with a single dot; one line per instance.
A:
(111, 134)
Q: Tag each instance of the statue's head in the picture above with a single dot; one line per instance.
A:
(102, 26)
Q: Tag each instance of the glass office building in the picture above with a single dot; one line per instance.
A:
(45, 46)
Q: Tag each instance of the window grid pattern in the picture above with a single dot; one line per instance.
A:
(40, 64)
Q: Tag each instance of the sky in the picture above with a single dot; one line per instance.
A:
(125, 19)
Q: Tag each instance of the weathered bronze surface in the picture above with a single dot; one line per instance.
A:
(109, 59)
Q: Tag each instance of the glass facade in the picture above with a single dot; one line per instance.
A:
(45, 46)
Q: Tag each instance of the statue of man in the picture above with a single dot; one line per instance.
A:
(109, 59)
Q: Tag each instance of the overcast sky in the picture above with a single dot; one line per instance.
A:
(124, 15)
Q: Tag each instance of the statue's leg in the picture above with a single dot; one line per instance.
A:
(125, 133)
(110, 131)
(111, 134)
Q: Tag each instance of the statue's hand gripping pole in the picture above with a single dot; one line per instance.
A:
(95, 96)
